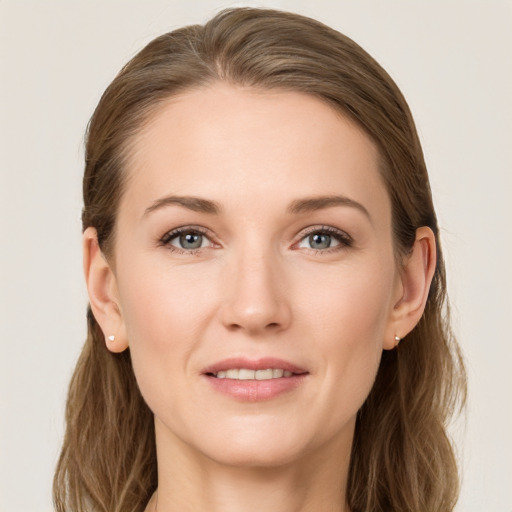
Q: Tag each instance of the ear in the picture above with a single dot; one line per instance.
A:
(103, 296)
(412, 287)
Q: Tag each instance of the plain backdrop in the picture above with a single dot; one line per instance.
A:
(453, 61)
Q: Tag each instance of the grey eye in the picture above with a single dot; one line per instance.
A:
(320, 240)
(188, 241)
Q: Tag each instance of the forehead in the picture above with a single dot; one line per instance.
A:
(232, 143)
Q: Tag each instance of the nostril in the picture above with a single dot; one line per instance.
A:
(235, 327)
(253, 314)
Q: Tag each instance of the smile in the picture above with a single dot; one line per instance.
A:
(246, 374)
(254, 380)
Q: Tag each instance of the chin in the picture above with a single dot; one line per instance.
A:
(264, 448)
(256, 458)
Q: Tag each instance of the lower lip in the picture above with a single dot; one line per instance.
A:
(256, 390)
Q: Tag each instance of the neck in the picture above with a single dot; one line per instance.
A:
(196, 483)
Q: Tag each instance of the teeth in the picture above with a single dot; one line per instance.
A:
(245, 374)
(263, 374)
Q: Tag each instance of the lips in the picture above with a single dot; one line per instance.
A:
(259, 365)
(246, 374)
(254, 380)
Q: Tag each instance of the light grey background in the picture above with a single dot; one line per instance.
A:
(453, 61)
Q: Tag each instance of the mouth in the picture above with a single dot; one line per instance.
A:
(247, 374)
(249, 380)
(265, 368)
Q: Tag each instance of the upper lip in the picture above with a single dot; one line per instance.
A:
(263, 363)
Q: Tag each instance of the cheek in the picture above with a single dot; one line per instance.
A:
(349, 303)
(349, 319)
(163, 317)
(161, 303)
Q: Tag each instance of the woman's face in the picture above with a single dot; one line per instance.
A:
(255, 273)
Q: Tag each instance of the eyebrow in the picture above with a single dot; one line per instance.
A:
(196, 204)
(311, 204)
(305, 205)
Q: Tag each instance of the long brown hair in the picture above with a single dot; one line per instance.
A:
(402, 459)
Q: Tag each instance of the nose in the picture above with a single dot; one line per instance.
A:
(256, 300)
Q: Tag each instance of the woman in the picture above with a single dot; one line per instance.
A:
(267, 321)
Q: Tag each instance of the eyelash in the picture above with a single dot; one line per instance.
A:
(165, 241)
(343, 238)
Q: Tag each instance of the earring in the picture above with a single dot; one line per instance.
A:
(398, 340)
(111, 337)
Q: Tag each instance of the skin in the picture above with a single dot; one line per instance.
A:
(255, 288)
